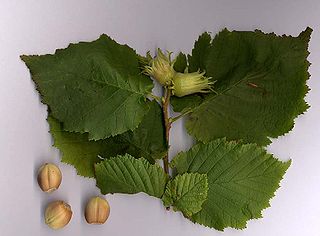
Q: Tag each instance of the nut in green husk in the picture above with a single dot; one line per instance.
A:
(58, 214)
(49, 177)
(97, 210)
(189, 83)
(161, 68)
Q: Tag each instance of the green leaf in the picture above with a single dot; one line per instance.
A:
(78, 151)
(260, 84)
(183, 104)
(180, 63)
(196, 62)
(146, 141)
(95, 87)
(242, 179)
(198, 58)
(125, 174)
(186, 193)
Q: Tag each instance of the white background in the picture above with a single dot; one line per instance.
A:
(41, 26)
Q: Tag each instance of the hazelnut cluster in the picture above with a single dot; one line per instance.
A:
(161, 68)
(58, 213)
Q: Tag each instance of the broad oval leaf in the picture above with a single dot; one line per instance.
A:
(186, 193)
(125, 174)
(78, 151)
(259, 90)
(242, 178)
(95, 87)
(146, 141)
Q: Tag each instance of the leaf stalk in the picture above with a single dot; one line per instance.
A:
(174, 119)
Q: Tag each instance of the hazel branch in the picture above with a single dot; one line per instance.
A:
(167, 123)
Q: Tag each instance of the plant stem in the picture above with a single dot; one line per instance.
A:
(167, 123)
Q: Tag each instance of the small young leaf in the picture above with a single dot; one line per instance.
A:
(196, 62)
(146, 141)
(242, 178)
(180, 63)
(186, 193)
(95, 87)
(198, 59)
(125, 174)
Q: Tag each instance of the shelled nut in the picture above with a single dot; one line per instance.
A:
(49, 177)
(97, 210)
(58, 214)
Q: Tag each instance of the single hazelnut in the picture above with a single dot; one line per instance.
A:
(97, 210)
(49, 177)
(58, 214)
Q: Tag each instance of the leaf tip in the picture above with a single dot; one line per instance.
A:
(306, 34)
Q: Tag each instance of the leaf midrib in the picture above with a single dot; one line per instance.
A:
(104, 82)
(208, 100)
